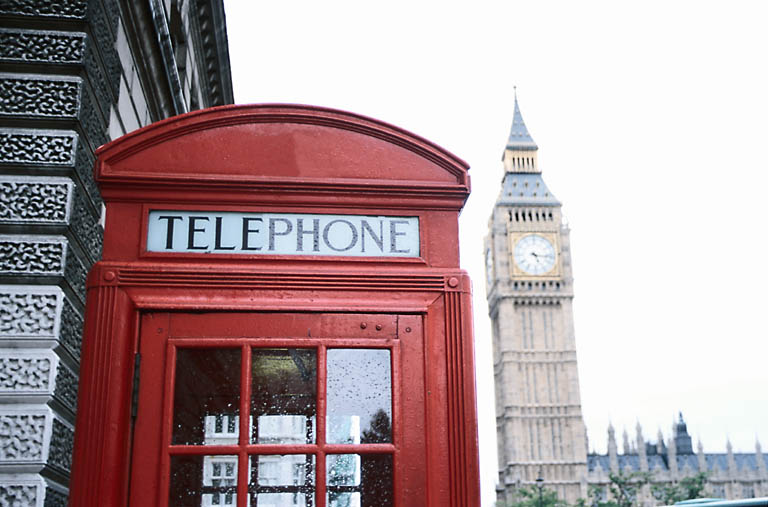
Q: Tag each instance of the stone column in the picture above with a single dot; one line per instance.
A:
(58, 80)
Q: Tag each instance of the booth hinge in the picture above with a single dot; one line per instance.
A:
(135, 394)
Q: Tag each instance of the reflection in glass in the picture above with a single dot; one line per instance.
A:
(284, 481)
(359, 396)
(203, 481)
(206, 396)
(283, 396)
(359, 480)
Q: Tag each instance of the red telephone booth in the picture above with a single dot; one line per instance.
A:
(279, 318)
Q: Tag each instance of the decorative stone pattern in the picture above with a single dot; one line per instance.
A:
(30, 257)
(24, 374)
(54, 498)
(86, 228)
(45, 8)
(84, 171)
(38, 97)
(96, 78)
(21, 437)
(28, 314)
(75, 273)
(66, 387)
(104, 30)
(42, 46)
(93, 124)
(37, 147)
(13, 495)
(71, 329)
(60, 448)
(34, 200)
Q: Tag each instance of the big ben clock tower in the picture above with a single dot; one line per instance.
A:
(540, 429)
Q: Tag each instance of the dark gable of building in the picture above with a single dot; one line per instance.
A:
(73, 75)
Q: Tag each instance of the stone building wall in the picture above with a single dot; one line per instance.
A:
(74, 74)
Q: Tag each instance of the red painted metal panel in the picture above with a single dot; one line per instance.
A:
(281, 159)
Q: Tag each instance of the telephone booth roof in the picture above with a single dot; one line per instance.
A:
(264, 153)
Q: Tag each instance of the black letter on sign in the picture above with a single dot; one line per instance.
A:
(300, 232)
(273, 233)
(327, 228)
(247, 231)
(192, 231)
(169, 231)
(218, 237)
(393, 234)
(379, 240)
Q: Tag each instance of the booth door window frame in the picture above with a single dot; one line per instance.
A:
(246, 417)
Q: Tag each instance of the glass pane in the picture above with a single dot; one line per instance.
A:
(359, 480)
(203, 481)
(283, 396)
(283, 481)
(359, 396)
(206, 397)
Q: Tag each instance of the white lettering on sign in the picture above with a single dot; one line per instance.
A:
(228, 232)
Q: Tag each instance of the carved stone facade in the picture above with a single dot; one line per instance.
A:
(73, 75)
(540, 428)
(729, 475)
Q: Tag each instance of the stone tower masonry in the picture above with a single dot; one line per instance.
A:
(539, 423)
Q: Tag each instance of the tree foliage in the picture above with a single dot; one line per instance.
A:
(528, 496)
(624, 488)
(687, 488)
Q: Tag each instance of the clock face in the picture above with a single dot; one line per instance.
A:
(488, 267)
(534, 254)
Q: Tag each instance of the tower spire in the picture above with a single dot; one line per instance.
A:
(519, 137)
(520, 152)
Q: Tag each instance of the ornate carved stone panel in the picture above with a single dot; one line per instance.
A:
(92, 121)
(104, 29)
(42, 256)
(71, 329)
(41, 46)
(34, 316)
(35, 200)
(18, 494)
(32, 255)
(29, 312)
(29, 490)
(39, 96)
(21, 437)
(25, 372)
(60, 447)
(86, 229)
(66, 387)
(45, 8)
(84, 170)
(54, 498)
(48, 147)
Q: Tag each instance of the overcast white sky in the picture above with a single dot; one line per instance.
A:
(652, 124)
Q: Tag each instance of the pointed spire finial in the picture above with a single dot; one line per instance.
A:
(519, 137)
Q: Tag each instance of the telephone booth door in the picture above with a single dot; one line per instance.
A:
(279, 409)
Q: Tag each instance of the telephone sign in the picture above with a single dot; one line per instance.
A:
(279, 318)
(282, 234)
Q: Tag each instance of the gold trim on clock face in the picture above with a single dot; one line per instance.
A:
(534, 255)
